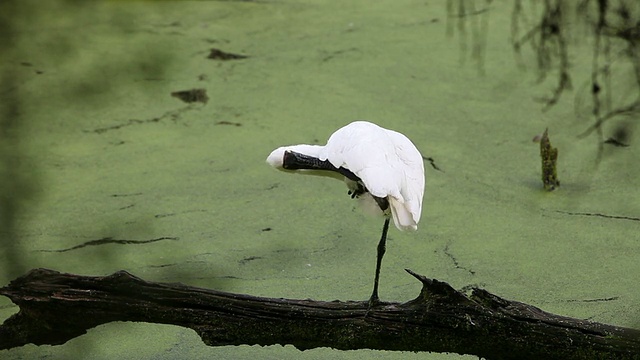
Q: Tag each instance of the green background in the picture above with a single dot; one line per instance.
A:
(93, 146)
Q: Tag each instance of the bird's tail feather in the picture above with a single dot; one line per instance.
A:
(401, 216)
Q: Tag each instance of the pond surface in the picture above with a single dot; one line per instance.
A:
(99, 150)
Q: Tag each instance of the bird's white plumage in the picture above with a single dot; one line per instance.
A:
(387, 162)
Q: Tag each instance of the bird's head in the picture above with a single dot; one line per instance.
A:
(276, 157)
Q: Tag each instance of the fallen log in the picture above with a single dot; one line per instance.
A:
(56, 307)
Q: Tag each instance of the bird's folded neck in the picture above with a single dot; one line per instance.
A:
(296, 161)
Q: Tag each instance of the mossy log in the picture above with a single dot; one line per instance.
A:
(56, 307)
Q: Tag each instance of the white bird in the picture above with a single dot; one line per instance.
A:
(376, 163)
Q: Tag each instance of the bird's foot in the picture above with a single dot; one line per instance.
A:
(356, 189)
(373, 302)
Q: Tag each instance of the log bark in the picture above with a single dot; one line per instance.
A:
(56, 307)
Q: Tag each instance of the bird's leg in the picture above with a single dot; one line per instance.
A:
(374, 299)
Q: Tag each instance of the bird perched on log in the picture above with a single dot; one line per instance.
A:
(381, 167)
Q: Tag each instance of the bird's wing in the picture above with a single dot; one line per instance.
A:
(412, 188)
(388, 164)
(366, 150)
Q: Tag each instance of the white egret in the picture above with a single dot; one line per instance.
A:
(380, 166)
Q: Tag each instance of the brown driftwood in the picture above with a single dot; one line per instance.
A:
(56, 307)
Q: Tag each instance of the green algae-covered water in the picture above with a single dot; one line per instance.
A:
(94, 147)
